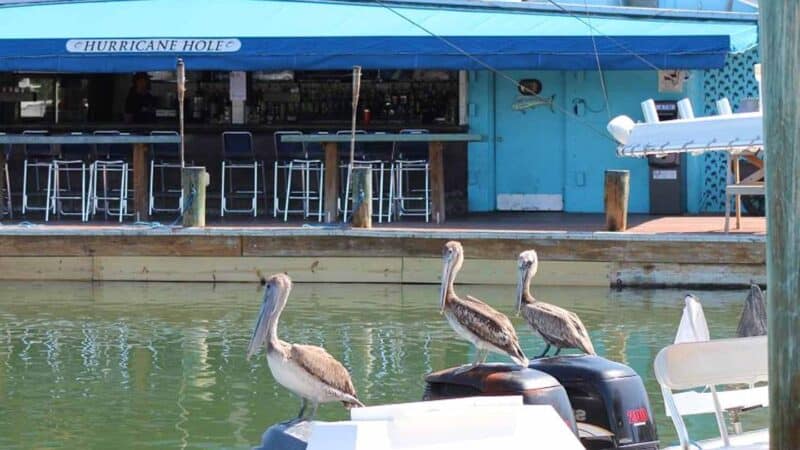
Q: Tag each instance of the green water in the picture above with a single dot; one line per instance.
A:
(162, 365)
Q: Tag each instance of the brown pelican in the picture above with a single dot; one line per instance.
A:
(308, 371)
(557, 326)
(753, 321)
(473, 320)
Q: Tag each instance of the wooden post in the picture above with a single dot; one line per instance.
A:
(140, 182)
(193, 182)
(331, 181)
(436, 165)
(361, 190)
(780, 52)
(3, 187)
(616, 199)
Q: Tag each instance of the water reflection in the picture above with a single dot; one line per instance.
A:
(125, 365)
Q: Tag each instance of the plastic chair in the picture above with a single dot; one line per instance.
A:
(165, 158)
(295, 160)
(238, 155)
(111, 160)
(38, 157)
(72, 163)
(411, 158)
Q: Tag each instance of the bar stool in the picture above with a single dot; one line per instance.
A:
(111, 161)
(38, 157)
(6, 194)
(296, 159)
(165, 158)
(380, 167)
(72, 163)
(238, 154)
(411, 158)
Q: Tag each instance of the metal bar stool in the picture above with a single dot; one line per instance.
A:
(38, 157)
(296, 159)
(380, 167)
(72, 163)
(165, 158)
(238, 155)
(111, 161)
(6, 195)
(410, 159)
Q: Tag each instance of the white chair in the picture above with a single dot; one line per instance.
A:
(70, 172)
(38, 158)
(296, 160)
(165, 158)
(688, 366)
(411, 162)
(238, 155)
(111, 164)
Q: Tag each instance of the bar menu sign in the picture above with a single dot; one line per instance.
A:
(149, 45)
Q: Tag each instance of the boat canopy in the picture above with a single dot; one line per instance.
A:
(131, 35)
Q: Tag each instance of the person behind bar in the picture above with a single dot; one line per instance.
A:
(140, 105)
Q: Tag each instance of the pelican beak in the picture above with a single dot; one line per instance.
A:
(260, 331)
(520, 288)
(446, 273)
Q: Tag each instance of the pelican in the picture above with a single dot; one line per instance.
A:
(753, 321)
(306, 370)
(473, 320)
(557, 326)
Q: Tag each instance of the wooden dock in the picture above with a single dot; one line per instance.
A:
(388, 254)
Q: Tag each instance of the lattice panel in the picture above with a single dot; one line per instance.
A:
(736, 82)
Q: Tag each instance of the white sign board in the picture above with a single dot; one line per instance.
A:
(148, 45)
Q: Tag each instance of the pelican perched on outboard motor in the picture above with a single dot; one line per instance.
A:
(557, 326)
(307, 370)
(473, 320)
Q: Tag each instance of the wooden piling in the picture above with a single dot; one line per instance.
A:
(780, 50)
(3, 187)
(193, 182)
(617, 187)
(361, 190)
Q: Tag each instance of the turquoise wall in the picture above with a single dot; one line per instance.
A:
(563, 152)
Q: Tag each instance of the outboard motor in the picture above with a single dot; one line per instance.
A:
(535, 387)
(286, 436)
(609, 400)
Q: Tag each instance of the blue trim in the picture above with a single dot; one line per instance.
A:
(394, 52)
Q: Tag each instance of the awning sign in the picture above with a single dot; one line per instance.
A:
(153, 45)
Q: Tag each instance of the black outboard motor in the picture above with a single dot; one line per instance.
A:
(609, 400)
(535, 387)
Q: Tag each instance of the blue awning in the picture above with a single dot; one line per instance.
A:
(131, 35)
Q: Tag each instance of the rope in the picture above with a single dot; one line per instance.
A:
(503, 75)
(599, 67)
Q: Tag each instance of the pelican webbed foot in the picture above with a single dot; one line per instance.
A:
(558, 350)
(544, 353)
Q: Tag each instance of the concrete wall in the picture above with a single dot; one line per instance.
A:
(543, 159)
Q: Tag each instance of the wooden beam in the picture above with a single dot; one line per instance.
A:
(617, 187)
(58, 246)
(361, 193)
(140, 181)
(780, 45)
(193, 183)
(331, 182)
(3, 187)
(436, 166)
(45, 268)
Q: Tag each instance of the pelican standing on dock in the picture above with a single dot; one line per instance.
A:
(557, 326)
(307, 370)
(473, 320)
(753, 321)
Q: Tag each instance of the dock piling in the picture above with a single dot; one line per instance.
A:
(362, 197)
(193, 184)
(617, 188)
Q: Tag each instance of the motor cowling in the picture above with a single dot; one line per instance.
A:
(535, 387)
(610, 402)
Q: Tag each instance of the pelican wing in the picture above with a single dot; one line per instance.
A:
(753, 321)
(488, 324)
(558, 326)
(323, 366)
